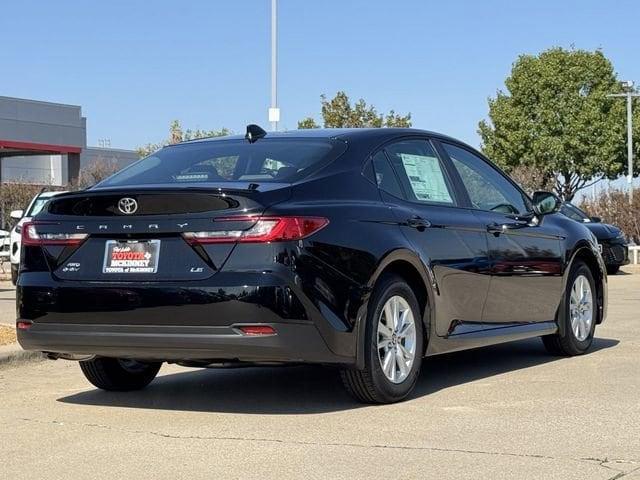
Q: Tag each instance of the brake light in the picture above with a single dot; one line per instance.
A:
(31, 236)
(265, 229)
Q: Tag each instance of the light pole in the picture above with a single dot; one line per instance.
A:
(629, 93)
(274, 111)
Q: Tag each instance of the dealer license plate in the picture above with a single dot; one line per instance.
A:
(131, 256)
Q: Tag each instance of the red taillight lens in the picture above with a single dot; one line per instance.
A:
(24, 325)
(265, 229)
(257, 330)
(31, 236)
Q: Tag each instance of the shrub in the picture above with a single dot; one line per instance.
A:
(93, 173)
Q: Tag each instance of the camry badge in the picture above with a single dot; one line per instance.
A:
(127, 205)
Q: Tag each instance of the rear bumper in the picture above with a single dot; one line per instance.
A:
(291, 343)
(170, 321)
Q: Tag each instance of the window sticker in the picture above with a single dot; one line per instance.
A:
(426, 178)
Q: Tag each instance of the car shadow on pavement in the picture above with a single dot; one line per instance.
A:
(309, 389)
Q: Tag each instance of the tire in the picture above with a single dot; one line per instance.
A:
(372, 385)
(118, 374)
(14, 274)
(569, 343)
(613, 269)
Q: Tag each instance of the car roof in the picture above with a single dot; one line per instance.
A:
(341, 133)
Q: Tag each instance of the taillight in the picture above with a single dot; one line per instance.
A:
(265, 229)
(31, 236)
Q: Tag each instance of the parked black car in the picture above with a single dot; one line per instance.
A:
(363, 249)
(611, 241)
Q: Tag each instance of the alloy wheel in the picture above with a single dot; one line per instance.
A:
(581, 308)
(396, 339)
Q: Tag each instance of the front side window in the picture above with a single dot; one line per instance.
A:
(488, 189)
(267, 160)
(420, 171)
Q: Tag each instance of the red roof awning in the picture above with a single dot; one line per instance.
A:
(38, 147)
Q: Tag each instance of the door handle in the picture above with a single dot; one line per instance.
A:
(418, 223)
(498, 228)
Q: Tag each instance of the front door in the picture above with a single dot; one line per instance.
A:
(450, 240)
(524, 251)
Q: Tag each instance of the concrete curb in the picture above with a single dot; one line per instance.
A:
(13, 354)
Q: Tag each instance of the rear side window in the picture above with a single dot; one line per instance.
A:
(420, 171)
(384, 175)
(267, 160)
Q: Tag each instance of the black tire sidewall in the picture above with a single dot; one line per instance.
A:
(581, 346)
(387, 288)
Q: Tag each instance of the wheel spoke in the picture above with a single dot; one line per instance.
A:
(408, 356)
(387, 363)
(394, 313)
(402, 319)
(575, 295)
(407, 324)
(388, 314)
(394, 366)
(384, 330)
(402, 365)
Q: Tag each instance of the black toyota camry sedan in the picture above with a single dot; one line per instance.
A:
(363, 249)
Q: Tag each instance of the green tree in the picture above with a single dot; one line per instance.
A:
(177, 135)
(555, 119)
(340, 113)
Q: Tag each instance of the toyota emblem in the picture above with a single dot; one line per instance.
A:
(127, 205)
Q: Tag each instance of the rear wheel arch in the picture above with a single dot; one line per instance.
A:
(408, 266)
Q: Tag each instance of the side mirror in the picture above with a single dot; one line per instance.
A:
(545, 203)
(16, 214)
(596, 219)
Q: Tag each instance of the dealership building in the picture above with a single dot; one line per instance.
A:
(46, 143)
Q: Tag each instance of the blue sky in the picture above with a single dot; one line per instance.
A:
(136, 65)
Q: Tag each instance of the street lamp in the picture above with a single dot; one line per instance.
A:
(629, 93)
(274, 111)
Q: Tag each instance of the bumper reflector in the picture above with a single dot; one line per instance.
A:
(23, 325)
(257, 330)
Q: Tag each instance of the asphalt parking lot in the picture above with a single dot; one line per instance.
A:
(509, 411)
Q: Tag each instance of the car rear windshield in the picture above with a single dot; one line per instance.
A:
(267, 160)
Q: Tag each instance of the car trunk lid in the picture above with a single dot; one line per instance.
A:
(137, 234)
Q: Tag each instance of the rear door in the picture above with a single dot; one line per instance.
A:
(525, 252)
(449, 240)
